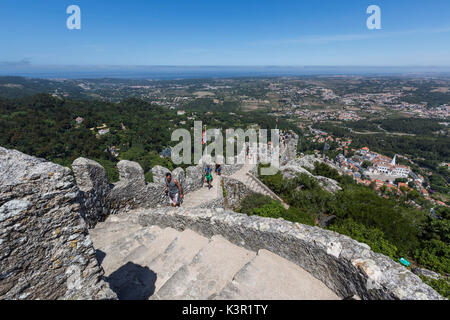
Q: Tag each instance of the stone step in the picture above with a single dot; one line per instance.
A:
(208, 273)
(107, 233)
(123, 217)
(270, 277)
(179, 253)
(151, 245)
(118, 251)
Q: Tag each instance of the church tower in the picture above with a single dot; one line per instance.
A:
(393, 160)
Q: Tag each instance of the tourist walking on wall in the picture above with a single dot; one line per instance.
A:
(174, 190)
(208, 176)
(218, 169)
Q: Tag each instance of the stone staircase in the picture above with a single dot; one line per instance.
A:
(155, 263)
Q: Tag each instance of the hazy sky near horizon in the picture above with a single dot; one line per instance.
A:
(232, 32)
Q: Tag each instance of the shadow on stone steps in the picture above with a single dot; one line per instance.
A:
(132, 282)
(100, 255)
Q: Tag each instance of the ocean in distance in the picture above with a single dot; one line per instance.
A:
(199, 72)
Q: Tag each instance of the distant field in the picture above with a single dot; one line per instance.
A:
(441, 90)
(12, 85)
(252, 107)
(202, 94)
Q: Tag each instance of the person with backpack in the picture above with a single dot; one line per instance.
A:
(218, 169)
(174, 190)
(208, 176)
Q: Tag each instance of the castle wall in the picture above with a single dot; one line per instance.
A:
(346, 266)
(46, 252)
(131, 191)
(45, 249)
(94, 187)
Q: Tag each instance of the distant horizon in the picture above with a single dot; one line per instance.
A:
(14, 64)
(170, 72)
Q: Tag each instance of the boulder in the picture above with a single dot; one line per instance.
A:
(426, 273)
(326, 221)
(328, 184)
(290, 171)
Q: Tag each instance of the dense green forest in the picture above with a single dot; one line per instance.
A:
(418, 126)
(44, 126)
(425, 93)
(412, 125)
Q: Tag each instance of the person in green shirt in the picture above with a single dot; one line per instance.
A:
(208, 176)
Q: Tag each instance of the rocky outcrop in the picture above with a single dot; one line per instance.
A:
(303, 166)
(94, 187)
(292, 169)
(235, 192)
(328, 184)
(308, 162)
(344, 265)
(45, 249)
(428, 273)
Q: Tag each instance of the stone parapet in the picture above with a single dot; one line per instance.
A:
(347, 267)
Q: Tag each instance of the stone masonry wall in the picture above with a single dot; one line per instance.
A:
(45, 249)
(131, 191)
(94, 187)
(346, 266)
(46, 252)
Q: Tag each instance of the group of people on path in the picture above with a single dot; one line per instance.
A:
(174, 190)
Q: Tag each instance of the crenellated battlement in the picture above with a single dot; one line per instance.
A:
(44, 219)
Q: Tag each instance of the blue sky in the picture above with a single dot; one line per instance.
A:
(244, 32)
